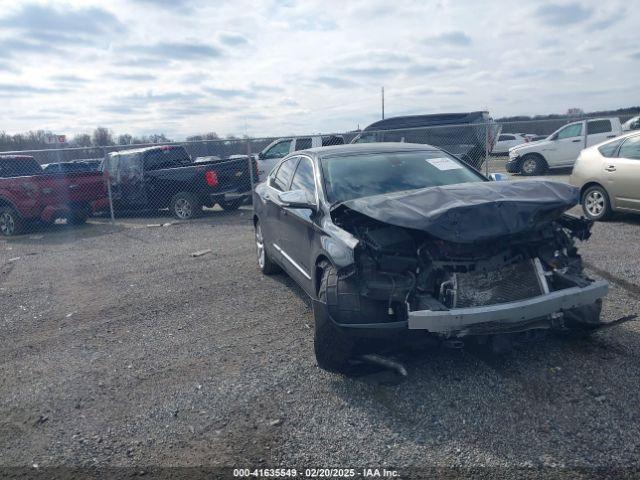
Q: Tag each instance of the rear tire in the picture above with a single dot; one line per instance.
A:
(333, 347)
(532, 165)
(78, 217)
(185, 206)
(265, 264)
(595, 203)
(230, 205)
(11, 223)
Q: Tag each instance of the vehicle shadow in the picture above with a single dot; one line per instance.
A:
(549, 391)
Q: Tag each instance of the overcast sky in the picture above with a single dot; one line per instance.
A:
(282, 67)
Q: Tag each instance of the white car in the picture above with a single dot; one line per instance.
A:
(631, 124)
(280, 148)
(508, 140)
(562, 147)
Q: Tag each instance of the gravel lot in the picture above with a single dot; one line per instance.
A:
(120, 348)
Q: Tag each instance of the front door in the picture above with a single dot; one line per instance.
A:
(298, 227)
(623, 175)
(565, 145)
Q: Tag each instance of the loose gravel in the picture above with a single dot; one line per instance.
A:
(121, 348)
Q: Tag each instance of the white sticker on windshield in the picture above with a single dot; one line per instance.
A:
(443, 163)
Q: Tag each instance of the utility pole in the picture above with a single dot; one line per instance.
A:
(383, 103)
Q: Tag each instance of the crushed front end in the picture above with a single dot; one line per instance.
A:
(524, 274)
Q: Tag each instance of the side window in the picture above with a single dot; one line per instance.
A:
(570, 131)
(630, 148)
(280, 181)
(303, 179)
(279, 150)
(332, 140)
(609, 149)
(598, 126)
(303, 143)
(503, 138)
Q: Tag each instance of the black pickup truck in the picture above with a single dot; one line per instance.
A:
(165, 176)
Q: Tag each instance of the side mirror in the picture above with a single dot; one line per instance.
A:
(498, 177)
(260, 156)
(296, 199)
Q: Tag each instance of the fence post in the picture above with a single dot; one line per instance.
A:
(250, 160)
(486, 149)
(113, 217)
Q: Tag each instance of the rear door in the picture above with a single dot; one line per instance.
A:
(279, 181)
(622, 174)
(599, 131)
(565, 146)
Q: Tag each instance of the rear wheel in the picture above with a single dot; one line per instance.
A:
(532, 165)
(595, 203)
(230, 205)
(78, 216)
(266, 265)
(332, 346)
(11, 223)
(185, 206)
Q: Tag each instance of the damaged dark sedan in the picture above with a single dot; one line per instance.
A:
(399, 242)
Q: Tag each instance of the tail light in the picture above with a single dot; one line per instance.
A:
(211, 177)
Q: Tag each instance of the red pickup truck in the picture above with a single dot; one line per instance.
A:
(28, 194)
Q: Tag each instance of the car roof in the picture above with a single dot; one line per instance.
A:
(615, 139)
(413, 121)
(350, 148)
(16, 157)
(144, 149)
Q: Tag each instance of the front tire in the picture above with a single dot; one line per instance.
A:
(231, 205)
(265, 264)
(595, 203)
(11, 223)
(532, 165)
(185, 206)
(333, 348)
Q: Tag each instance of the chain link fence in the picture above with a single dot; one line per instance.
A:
(186, 177)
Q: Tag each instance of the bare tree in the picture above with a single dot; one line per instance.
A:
(102, 137)
(81, 140)
(125, 139)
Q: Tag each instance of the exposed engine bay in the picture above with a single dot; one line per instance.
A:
(409, 269)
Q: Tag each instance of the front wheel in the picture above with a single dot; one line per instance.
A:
(595, 203)
(185, 206)
(532, 165)
(11, 223)
(333, 348)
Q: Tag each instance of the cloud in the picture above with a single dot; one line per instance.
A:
(230, 92)
(38, 19)
(455, 39)
(138, 77)
(16, 47)
(635, 55)
(179, 50)
(232, 39)
(609, 20)
(335, 82)
(10, 89)
(562, 14)
(69, 79)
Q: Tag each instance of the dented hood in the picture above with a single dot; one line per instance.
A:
(470, 212)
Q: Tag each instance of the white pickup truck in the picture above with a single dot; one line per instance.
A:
(562, 147)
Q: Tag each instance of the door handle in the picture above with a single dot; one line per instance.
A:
(575, 141)
(610, 168)
(611, 136)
